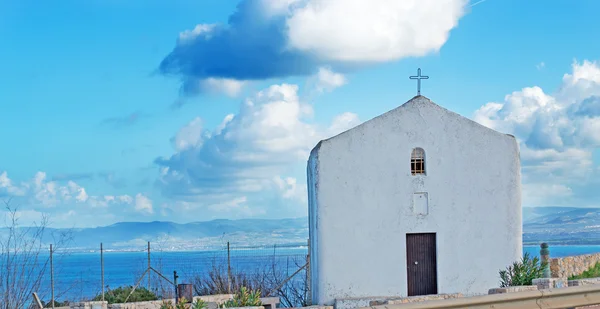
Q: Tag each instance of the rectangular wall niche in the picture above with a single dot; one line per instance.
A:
(420, 203)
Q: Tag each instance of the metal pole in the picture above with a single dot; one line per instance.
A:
(175, 284)
(308, 283)
(52, 274)
(228, 270)
(102, 268)
(136, 285)
(149, 275)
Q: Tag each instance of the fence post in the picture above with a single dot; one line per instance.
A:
(149, 266)
(102, 268)
(228, 269)
(52, 275)
(308, 283)
(175, 284)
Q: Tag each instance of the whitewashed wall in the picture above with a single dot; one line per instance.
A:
(361, 194)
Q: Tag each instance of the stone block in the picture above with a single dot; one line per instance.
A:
(219, 299)
(270, 302)
(513, 289)
(89, 305)
(550, 283)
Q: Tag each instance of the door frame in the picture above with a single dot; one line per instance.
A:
(437, 282)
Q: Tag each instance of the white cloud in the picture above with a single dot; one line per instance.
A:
(8, 188)
(327, 80)
(50, 194)
(190, 135)
(343, 122)
(542, 193)
(266, 39)
(557, 133)
(540, 65)
(227, 86)
(290, 189)
(271, 133)
(143, 204)
(379, 30)
(202, 30)
(278, 7)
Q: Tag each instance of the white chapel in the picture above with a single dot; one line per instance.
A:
(417, 201)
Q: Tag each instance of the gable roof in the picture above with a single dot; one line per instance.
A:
(417, 101)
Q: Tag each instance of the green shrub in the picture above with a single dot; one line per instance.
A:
(244, 298)
(118, 295)
(199, 304)
(592, 272)
(522, 272)
(56, 304)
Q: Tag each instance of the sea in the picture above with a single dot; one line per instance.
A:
(78, 276)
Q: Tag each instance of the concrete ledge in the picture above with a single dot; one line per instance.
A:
(414, 299)
(356, 302)
(513, 289)
(568, 297)
(314, 307)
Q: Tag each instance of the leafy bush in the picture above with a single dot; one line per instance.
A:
(216, 281)
(56, 304)
(244, 298)
(522, 272)
(118, 295)
(270, 279)
(592, 272)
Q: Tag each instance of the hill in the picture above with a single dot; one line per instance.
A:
(561, 225)
(126, 236)
(558, 225)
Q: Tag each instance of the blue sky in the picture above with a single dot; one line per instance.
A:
(193, 110)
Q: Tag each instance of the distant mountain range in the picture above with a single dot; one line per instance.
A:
(168, 236)
(558, 225)
(561, 225)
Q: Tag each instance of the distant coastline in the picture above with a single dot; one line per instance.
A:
(558, 226)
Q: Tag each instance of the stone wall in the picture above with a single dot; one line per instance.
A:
(572, 265)
(580, 282)
(212, 302)
(90, 305)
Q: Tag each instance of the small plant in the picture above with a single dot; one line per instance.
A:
(166, 305)
(199, 304)
(244, 298)
(592, 272)
(182, 303)
(522, 272)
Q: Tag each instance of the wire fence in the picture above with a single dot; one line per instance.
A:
(277, 270)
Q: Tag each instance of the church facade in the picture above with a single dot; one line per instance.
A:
(417, 201)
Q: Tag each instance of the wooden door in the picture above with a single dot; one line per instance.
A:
(421, 264)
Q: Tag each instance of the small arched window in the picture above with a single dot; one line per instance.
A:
(417, 161)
